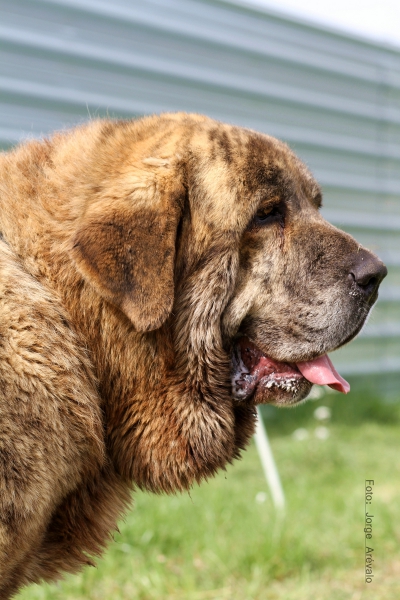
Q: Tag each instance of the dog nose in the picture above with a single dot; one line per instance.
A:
(368, 272)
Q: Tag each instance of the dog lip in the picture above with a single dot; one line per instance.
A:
(244, 338)
(247, 344)
(350, 337)
(370, 303)
(253, 370)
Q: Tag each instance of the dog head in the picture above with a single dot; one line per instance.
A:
(216, 231)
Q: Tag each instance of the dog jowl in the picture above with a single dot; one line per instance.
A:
(158, 278)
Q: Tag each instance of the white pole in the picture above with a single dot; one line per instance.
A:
(268, 464)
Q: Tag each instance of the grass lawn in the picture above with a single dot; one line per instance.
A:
(225, 541)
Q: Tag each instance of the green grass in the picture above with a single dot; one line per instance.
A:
(222, 543)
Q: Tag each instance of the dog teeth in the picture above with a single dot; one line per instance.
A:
(290, 384)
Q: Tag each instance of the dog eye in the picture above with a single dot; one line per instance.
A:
(267, 215)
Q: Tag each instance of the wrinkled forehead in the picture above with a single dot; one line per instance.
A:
(235, 169)
(270, 165)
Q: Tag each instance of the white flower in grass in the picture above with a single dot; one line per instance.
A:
(261, 497)
(300, 434)
(322, 413)
(322, 433)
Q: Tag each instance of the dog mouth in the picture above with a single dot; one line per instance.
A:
(259, 379)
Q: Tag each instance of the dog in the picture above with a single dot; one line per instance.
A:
(158, 279)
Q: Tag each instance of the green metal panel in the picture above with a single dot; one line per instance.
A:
(335, 99)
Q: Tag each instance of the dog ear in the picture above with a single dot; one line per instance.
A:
(125, 248)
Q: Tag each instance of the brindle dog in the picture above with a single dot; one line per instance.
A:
(158, 278)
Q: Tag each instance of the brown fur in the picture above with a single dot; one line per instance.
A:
(132, 259)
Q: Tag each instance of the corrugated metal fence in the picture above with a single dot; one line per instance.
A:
(334, 99)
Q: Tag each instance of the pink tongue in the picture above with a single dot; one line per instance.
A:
(322, 372)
